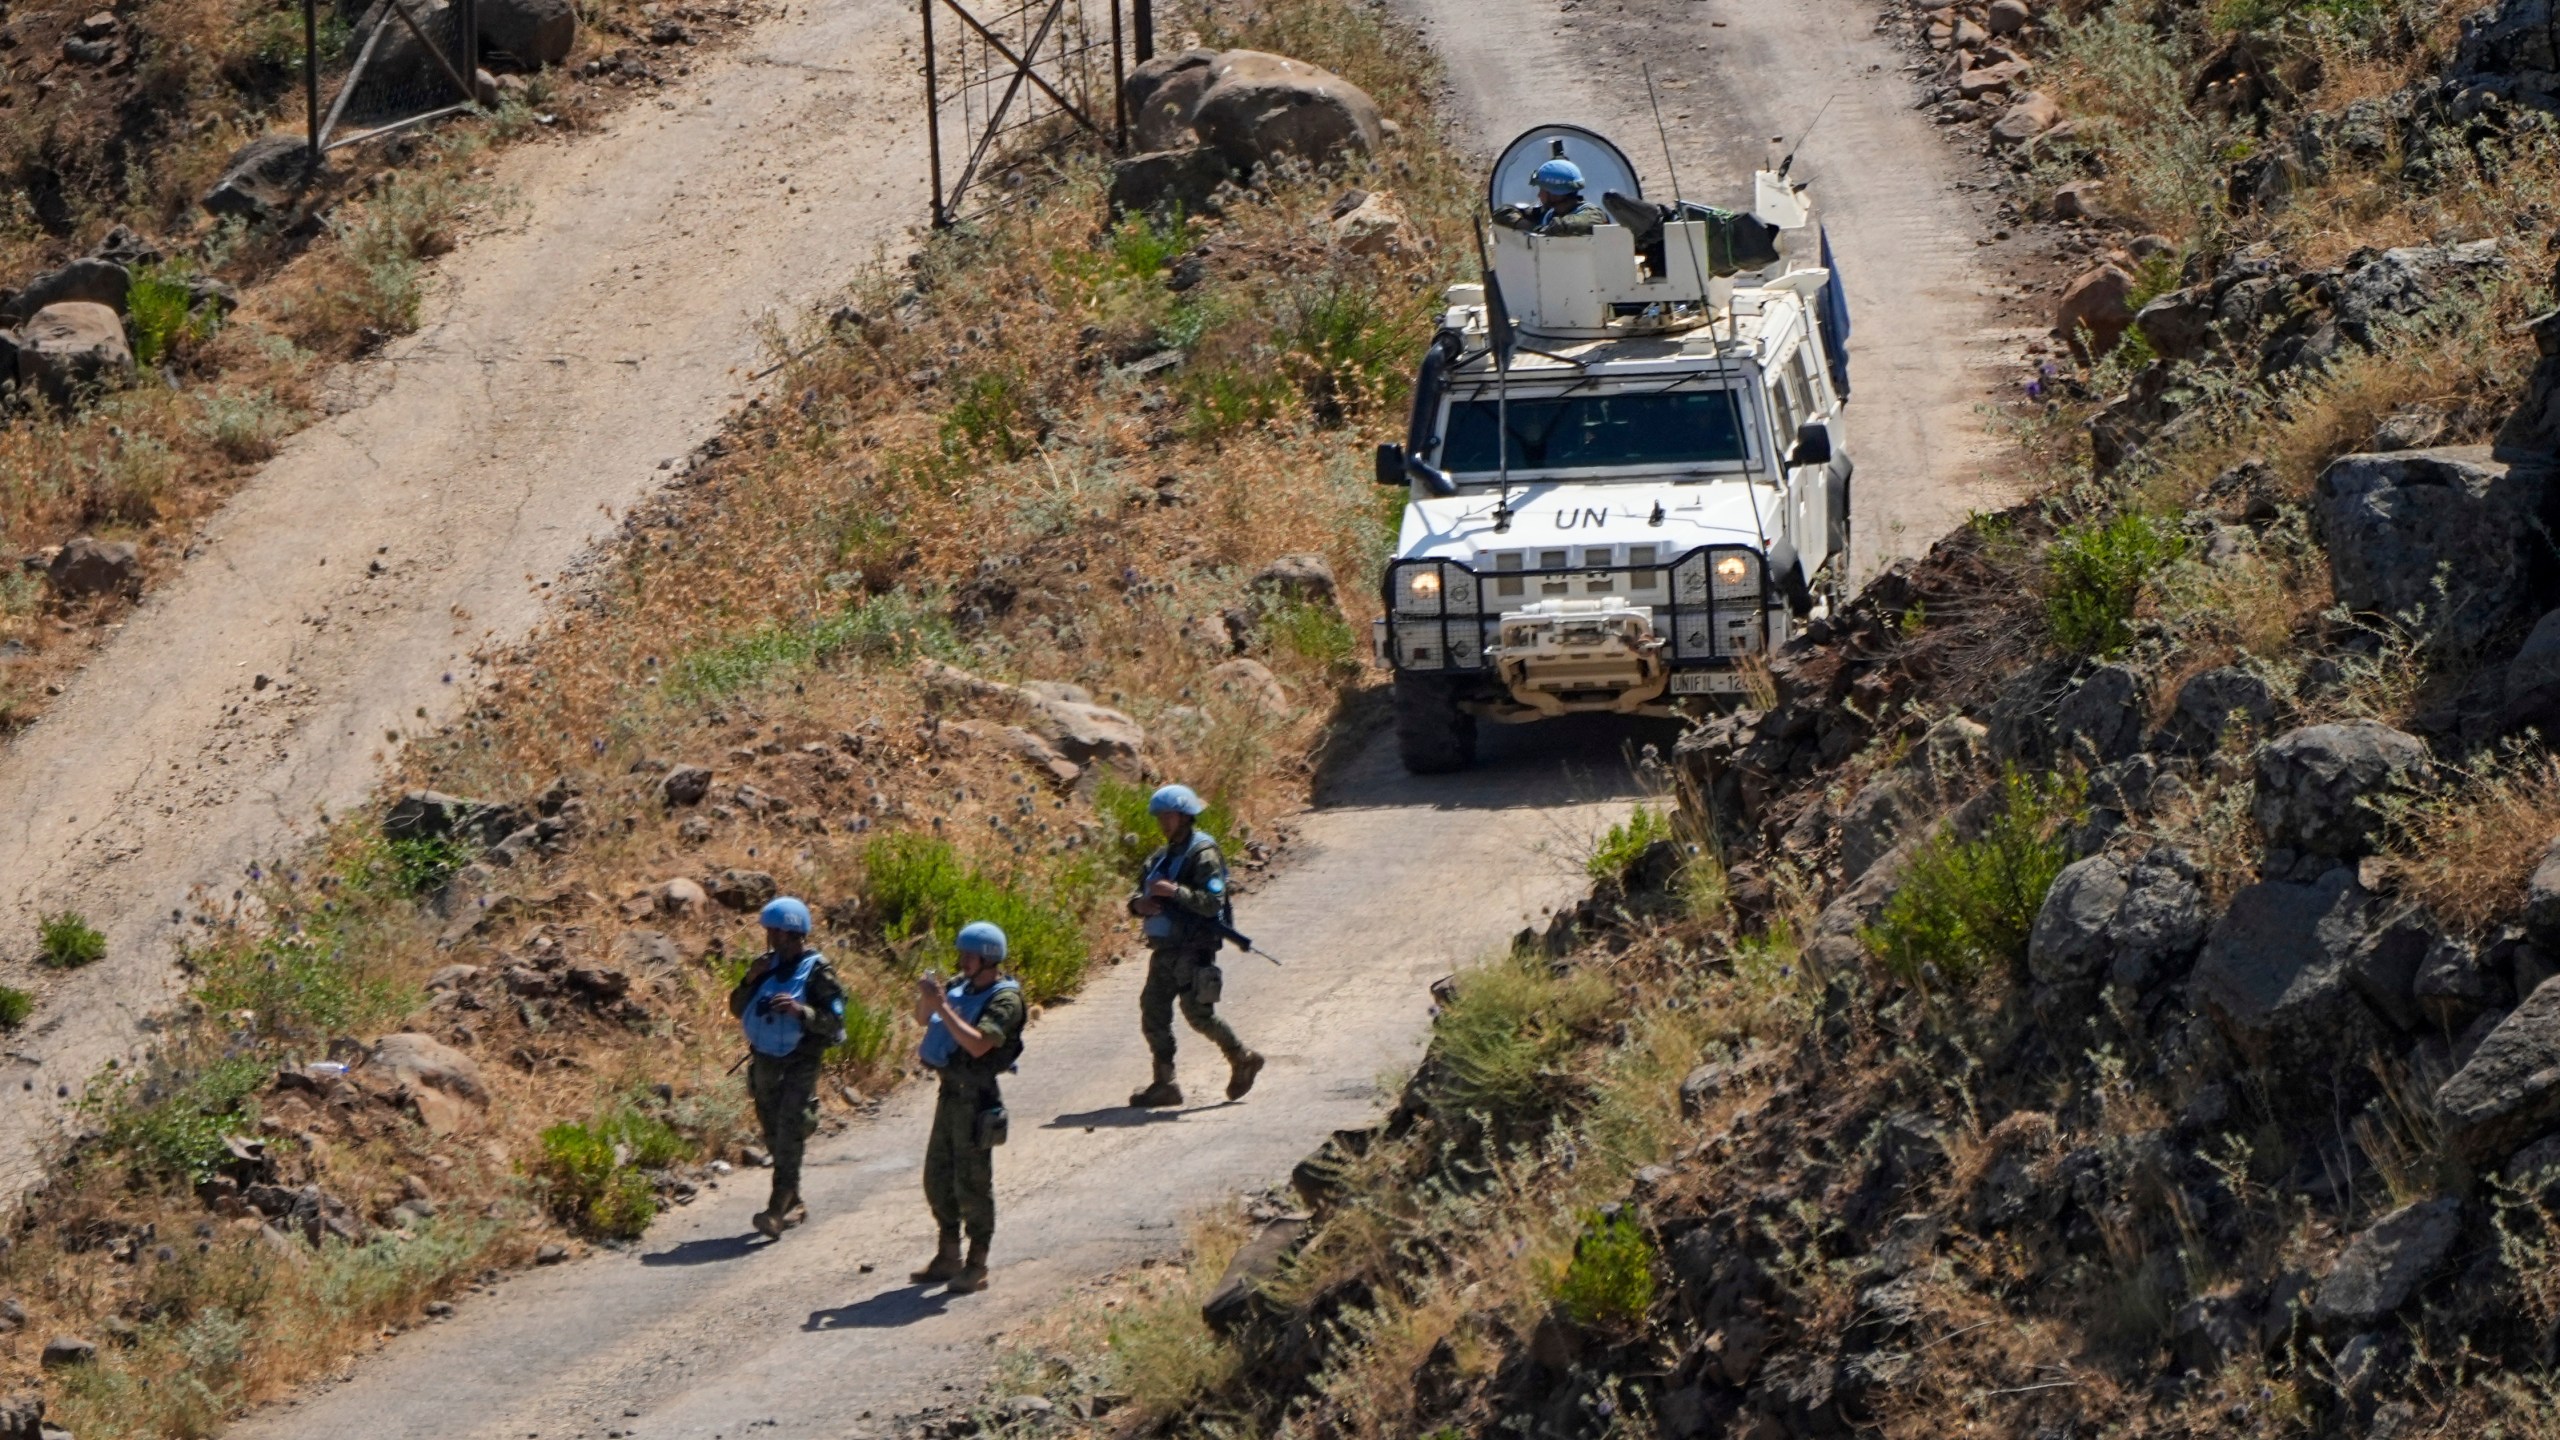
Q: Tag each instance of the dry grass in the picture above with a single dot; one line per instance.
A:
(2467, 854)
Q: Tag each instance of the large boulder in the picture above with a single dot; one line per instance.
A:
(2400, 526)
(2177, 325)
(1086, 734)
(2531, 685)
(2511, 37)
(1261, 110)
(534, 32)
(87, 568)
(1167, 180)
(2383, 1266)
(2273, 975)
(422, 1060)
(2102, 719)
(73, 349)
(2106, 918)
(2319, 786)
(2095, 310)
(96, 281)
(2542, 899)
(1161, 96)
(2509, 1090)
(263, 180)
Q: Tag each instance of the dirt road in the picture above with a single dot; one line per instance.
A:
(558, 366)
(707, 1329)
(1927, 331)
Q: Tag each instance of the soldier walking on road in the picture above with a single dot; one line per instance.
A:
(793, 1012)
(972, 1035)
(1181, 884)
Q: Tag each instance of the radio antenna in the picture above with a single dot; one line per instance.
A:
(1790, 160)
(1679, 206)
(1497, 317)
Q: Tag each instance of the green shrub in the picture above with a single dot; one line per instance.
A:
(1348, 348)
(178, 1134)
(244, 427)
(1626, 842)
(1507, 1031)
(1316, 633)
(64, 941)
(162, 312)
(923, 892)
(1122, 807)
(417, 865)
(592, 1173)
(993, 414)
(1609, 1284)
(15, 1006)
(1224, 400)
(1966, 906)
(868, 1032)
(895, 627)
(2094, 574)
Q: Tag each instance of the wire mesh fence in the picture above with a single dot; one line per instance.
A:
(1006, 83)
(403, 62)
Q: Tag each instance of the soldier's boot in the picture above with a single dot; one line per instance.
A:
(776, 1216)
(973, 1275)
(1241, 1071)
(1161, 1093)
(944, 1264)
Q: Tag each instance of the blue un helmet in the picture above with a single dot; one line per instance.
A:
(981, 938)
(1176, 800)
(1559, 177)
(785, 914)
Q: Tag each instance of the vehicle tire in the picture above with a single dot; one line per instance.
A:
(1433, 735)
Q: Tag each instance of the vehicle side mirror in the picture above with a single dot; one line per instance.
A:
(1813, 445)
(1391, 465)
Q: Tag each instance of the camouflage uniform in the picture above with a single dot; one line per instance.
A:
(959, 1170)
(785, 1088)
(1575, 218)
(1182, 966)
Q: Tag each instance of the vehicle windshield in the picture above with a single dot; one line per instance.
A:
(1571, 432)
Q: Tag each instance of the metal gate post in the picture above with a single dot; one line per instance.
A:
(1119, 86)
(469, 23)
(1145, 17)
(311, 84)
(933, 119)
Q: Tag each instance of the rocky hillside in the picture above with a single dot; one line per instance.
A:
(2103, 992)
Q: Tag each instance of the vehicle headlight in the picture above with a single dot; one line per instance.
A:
(1737, 573)
(1432, 589)
(1424, 584)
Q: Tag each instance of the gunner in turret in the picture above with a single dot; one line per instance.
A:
(1560, 210)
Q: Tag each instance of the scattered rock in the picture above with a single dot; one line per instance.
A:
(1231, 1301)
(550, 1253)
(2211, 703)
(2542, 899)
(420, 1060)
(2105, 918)
(2508, 1092)
(264, 180)
(2076, 201)
(1250, 683)
(743, 889)
(2399, 526)
(2177, 325)
(87, 567)
(685, 785)
(1295, 580)
(1087, 734)
(535, 32)
(2318, 786)
(91, 280)
(2100, 721)
(2095, 310)
(2383, 1266)
(64, 1350)
(1376, 226)
(2007, 17)
(69, 350)
(680, 896)
(2530, 689)
(452, 977)
(2027, 117)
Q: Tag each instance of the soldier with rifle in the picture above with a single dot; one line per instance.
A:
(1182, 900)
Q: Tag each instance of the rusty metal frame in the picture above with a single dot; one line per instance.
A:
(321, 130)
(1024, 67)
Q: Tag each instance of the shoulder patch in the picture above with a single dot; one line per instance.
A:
(1217, 885)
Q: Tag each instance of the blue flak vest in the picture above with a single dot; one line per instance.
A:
(1165, 924)
(940, 1046)
(771, 1033)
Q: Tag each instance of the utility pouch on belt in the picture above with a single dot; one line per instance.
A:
(994, 1127)
(1207, 984)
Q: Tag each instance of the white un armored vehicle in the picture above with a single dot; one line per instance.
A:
(1672, 500)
